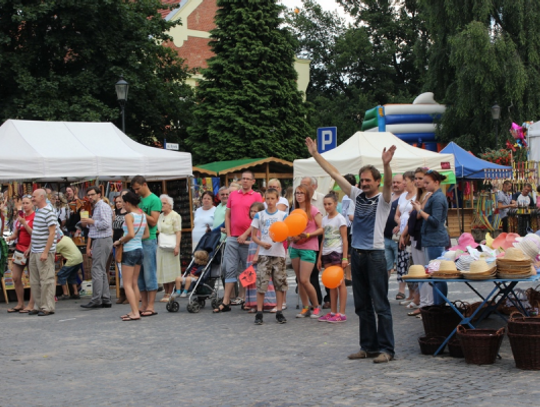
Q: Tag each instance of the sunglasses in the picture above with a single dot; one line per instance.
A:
(27, 196)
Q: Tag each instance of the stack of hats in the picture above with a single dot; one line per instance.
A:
(480, 270)
(447, 269)
(514, 264)
(464, 262)
(416, 272)
(529, 245)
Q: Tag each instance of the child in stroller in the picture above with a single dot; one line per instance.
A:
(200, 260)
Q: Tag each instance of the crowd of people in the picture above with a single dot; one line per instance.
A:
(370, 233)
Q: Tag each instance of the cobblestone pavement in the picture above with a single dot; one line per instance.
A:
(90, 358)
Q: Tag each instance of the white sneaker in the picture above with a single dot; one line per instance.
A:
(412, 305)
(183, 295)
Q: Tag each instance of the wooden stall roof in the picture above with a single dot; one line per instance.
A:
(232, 166)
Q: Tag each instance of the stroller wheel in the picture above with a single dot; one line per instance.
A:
(216, 302)
(193, 307)
(202, 303)
(172, 306)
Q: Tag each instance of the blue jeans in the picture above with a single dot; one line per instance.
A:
(390, 253)
(370, 292)
(148, 275)
(69, 274)
(431, 253)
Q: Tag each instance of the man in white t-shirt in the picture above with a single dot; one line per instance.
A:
(370, 278)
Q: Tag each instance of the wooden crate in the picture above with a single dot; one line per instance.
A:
(87, 266)
(454, 222)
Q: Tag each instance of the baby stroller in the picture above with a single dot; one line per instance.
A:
(205, 287)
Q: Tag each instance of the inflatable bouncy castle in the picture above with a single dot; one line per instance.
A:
(414, 124)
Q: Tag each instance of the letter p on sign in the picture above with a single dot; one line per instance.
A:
(326, 138)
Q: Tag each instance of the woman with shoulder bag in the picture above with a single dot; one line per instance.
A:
(22, 231)
(131, 251)
(168, 259)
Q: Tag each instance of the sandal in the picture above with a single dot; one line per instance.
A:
(25, 311)
(400, 296)
(131, 319)
(237, 301)
(12, 310)
(413, 313)
(222, 308)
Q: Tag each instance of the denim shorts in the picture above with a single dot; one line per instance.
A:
(132, 258)
(309, 256)
(148, 275)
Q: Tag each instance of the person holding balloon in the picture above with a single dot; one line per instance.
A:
(304, 245)
(271, 262)
(334, 253)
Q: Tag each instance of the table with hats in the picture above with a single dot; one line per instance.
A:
(504, 262)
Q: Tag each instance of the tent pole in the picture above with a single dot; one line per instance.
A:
(462, 223)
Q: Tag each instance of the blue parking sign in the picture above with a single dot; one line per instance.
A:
(326, 138)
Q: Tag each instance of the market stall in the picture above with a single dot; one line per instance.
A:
(366, 148)
(465, 208)
(39, 153)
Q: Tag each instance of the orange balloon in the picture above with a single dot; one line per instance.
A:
(332, 277)
(300, 212)
(278, 231)
(296, 224)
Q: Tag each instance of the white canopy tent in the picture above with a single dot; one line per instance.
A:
(366, 148)
(68, 151)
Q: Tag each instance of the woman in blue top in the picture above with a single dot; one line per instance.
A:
(434, 235)
(134, 231)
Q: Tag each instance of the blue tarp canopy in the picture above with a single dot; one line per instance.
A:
(470, 167)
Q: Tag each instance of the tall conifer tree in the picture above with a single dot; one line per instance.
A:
(249, 104)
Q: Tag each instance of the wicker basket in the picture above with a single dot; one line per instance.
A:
(430, 343)
(454, 348)
(522, 325)
(480, 346)
(526, 351)
(439, 320)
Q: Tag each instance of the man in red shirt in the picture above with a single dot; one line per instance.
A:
(238, 228)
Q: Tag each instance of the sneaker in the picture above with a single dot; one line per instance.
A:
(326, 317)
(304, 313)
(63, 297)
(259, 319)
(183, 295)
(337, 318)
(175, 294)
(383, 358)
(316, 313)
(280, 319)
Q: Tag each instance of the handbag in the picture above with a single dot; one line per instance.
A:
(396, 236)
(18, 258)
(166, 242)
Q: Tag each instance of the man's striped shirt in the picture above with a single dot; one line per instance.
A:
(45, 217)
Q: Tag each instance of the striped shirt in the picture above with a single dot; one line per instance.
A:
(139, 223)
(45, 217)
(102, 226)
(370, 215)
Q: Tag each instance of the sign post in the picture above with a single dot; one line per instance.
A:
(326, 139)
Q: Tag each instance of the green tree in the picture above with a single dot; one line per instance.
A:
(248, 104)
(482, 52)
(60, 59)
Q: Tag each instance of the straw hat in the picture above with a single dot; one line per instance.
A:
(514, 254)
(481, 267)
(528, 247)
(451, 255)
(448, 267)
(416, 271)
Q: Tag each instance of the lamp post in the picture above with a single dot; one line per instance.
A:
(122, 88)
(496, 115)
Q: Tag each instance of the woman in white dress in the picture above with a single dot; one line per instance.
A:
(204, 218)
(168, 255)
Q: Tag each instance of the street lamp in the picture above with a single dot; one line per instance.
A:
(122, 88)
(496, 115)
